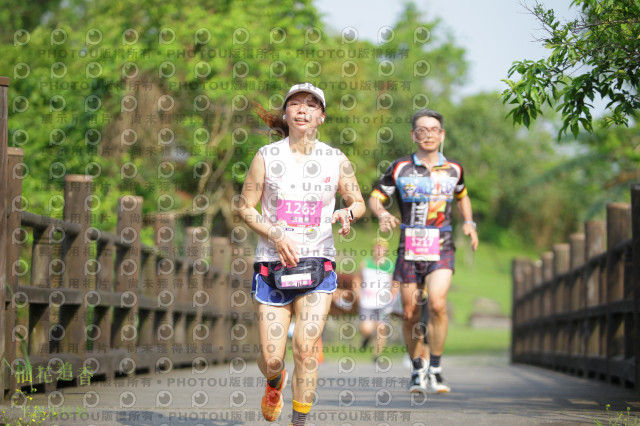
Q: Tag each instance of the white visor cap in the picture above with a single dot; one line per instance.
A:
(309, 88)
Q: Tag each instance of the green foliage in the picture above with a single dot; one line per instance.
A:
(594, 55)
(155, 99)
(193, 73)
(502, 172)
(620, 418)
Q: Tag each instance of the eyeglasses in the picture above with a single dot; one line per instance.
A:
(310, 105)
(423, 132)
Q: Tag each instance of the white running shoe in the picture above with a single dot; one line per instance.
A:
(435, 381)
(418, 384)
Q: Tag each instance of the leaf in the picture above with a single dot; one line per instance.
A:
(575, 129)
(525, 119)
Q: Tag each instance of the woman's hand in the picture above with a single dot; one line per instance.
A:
(287, 249)
(343, 217)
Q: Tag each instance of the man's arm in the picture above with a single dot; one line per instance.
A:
(469, 227)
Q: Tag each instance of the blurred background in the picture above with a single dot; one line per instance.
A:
(156, 99)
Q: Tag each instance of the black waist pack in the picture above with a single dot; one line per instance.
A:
(309, 273)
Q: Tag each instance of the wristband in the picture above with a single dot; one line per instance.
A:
(349, 214)
(472, 223)
(383, 214)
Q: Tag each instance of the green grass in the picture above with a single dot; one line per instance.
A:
(483, 274)
(463, 340)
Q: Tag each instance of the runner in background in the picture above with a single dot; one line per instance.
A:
(375, 297)
(425, 184)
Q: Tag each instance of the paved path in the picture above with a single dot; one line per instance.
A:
(486, 391)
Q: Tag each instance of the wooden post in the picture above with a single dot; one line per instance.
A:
(577, 296)
(635, 279)
(196, 329)
(14, 207)
(577, 291)
(124, 331)
(72, 314)
(596, 295)
(561, 302)
(595, 237)
(547, 277)
(180, 318)
(4, 144)
(166, 291)
(561, 262)
(525, 308)
(14, 348)
(147, 302)
(221, 259)
(103, 315)
(517, 278)
(537, 282)
(618, 230)
(39, 313)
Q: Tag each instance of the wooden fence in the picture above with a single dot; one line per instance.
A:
(104, 303)
(577, 308)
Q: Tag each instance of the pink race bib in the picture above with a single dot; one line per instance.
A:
(295, 280)
(422, 244)
(300, 213)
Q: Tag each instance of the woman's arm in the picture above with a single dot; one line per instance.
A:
(350, 191)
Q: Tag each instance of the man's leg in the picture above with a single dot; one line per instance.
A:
(412, 333)
(438, 282)
(410, 317)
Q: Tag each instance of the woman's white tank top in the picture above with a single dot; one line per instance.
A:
(300, 197)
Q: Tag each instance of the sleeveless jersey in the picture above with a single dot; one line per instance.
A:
(299, 197)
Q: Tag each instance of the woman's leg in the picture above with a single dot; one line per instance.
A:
(273, 323)
(311, 314)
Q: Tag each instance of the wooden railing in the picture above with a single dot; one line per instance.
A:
(577, 308)
(4, 143)
(105, 303)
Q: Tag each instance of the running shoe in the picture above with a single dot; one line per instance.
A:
(436, 382)
(417, 383)
(272, 400)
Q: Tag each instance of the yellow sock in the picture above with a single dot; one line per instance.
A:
(300, 412)
(301, 407)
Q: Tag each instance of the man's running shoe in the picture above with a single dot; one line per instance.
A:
(272, 400)
(436, 381)
(417, 384)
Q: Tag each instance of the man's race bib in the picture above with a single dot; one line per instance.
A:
(299, 213)
(422, 244)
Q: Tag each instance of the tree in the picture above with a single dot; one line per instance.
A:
(517, 180)
(596, 54)
(155, 99)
